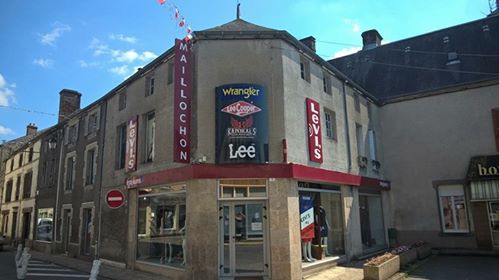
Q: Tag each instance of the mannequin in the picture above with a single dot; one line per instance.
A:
(324, 228)
(307, 226)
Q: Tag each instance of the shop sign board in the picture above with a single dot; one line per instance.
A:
(131, 144)
(182, 102)
(134, 181)
(484, 167)
(115, 198)
(314, 130)
(241, 124)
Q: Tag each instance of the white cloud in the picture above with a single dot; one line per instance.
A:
(346, 51)
(85, 64)
(353, 23)
(120, 70)
(59, 29)
(355, 27)
(6, 92)
(98, 47)
(131, 55)
(44, 62)
(123, 38)
(147, 56)
(5, 130)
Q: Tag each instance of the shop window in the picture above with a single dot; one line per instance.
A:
(452, 208)
(330, 119)
(44, 225)
(161, 228)
(121, 146)
(372, 228)
(8, 191)
(229, 191)
(321, 223)
(150, 136)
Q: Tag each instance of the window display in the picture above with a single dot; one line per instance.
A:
(453, 208)
(44, 225)
(161, 227)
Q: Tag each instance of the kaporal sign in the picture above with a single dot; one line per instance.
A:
(182, 102)
(241, 122)
(314, 130)
(131, 144)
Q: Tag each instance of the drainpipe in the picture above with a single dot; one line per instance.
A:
(101, 159)
(60, 141)
(347, 133)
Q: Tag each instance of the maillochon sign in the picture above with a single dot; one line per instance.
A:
(242, 124)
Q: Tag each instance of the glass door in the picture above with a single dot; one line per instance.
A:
(243, 239)
(494, 222)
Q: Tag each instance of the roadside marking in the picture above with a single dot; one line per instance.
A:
(58, 275)
(49, 269)
(41, 265)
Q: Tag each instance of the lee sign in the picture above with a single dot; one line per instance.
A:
(314, 130)
(182, 102)
(131, 144)
(115, 198)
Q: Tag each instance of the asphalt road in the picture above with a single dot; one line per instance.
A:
(457, 268)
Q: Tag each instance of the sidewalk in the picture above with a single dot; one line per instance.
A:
(105, 270)
(349, 271)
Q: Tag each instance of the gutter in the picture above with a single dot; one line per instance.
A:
(347, 132)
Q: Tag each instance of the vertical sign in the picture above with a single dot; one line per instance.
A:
(314, 130)
(307, 224)
(131, 144)
(182, 102)
(241, 123)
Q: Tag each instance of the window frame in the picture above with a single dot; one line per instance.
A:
(121, 131)
(305, 69)
(147, 137)
(438, 185)
(69, 176)
(331, 131)
(27, 184)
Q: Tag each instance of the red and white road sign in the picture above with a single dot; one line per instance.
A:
(115, 198)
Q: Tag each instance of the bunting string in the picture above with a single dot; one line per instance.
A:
(178, 18)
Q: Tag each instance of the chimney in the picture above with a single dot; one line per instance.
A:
(69, 102)
(309, 42)
(371, 39)
(31, 129)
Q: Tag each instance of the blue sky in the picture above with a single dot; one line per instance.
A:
(91, 46)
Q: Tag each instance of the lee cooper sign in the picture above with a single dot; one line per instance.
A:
(182, 102)
(131, 145)
(314, 130)
(242, 124)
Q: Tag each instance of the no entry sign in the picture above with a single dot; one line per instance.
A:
(115, 198)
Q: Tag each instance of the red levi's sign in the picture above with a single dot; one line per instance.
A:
(314, 130)
(132, 130)
(182, 102)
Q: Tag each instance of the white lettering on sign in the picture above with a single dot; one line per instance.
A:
(182, 101)
(314, 130)
(131, 145)
(242, 151)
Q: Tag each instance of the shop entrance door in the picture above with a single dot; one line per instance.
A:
(243, 237)
(494, 222)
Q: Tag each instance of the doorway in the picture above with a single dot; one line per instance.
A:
(494, 222)
(87, 231)
(243, 235)
(66, 217)
(14, 226)
(26, 225)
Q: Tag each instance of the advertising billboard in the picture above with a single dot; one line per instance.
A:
(242, 124)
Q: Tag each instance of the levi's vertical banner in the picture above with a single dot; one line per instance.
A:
(306, 216)
(242, 124)
(314, 130)
(132, 129)
(182, 102)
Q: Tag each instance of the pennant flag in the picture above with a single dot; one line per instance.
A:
(161, 2)
(177, 14)
(188, 38)
(188, 29)
(181, 23)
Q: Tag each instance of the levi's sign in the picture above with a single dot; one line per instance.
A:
(242, 124)
(182, 102)
(131, 144)
(314, 130)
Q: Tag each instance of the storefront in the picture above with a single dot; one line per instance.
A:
(372, 227)
(483, 175)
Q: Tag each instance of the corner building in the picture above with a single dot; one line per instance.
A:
(283, 164)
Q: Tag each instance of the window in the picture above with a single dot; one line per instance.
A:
(11, 164)
(495, 122)
(121, 147)
(44, 225)
(305, 69)
(21, 159)
(360, 139)
(92, 124)
(18, 188)
(90, 166)
(122, 101)
(170, 73)
(371, 134)
(452, 208)
(356, 98)
(330, 118)
(30, 154)
(161, 216)
(8, 191)
(150, 132)
(326, 83)
(72, 134)
(149, 86)
(70, 173)
(28, 178)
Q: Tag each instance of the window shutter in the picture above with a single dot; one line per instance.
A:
(495, 121)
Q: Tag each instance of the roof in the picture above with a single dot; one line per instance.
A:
(459, 55)
(238, 25)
